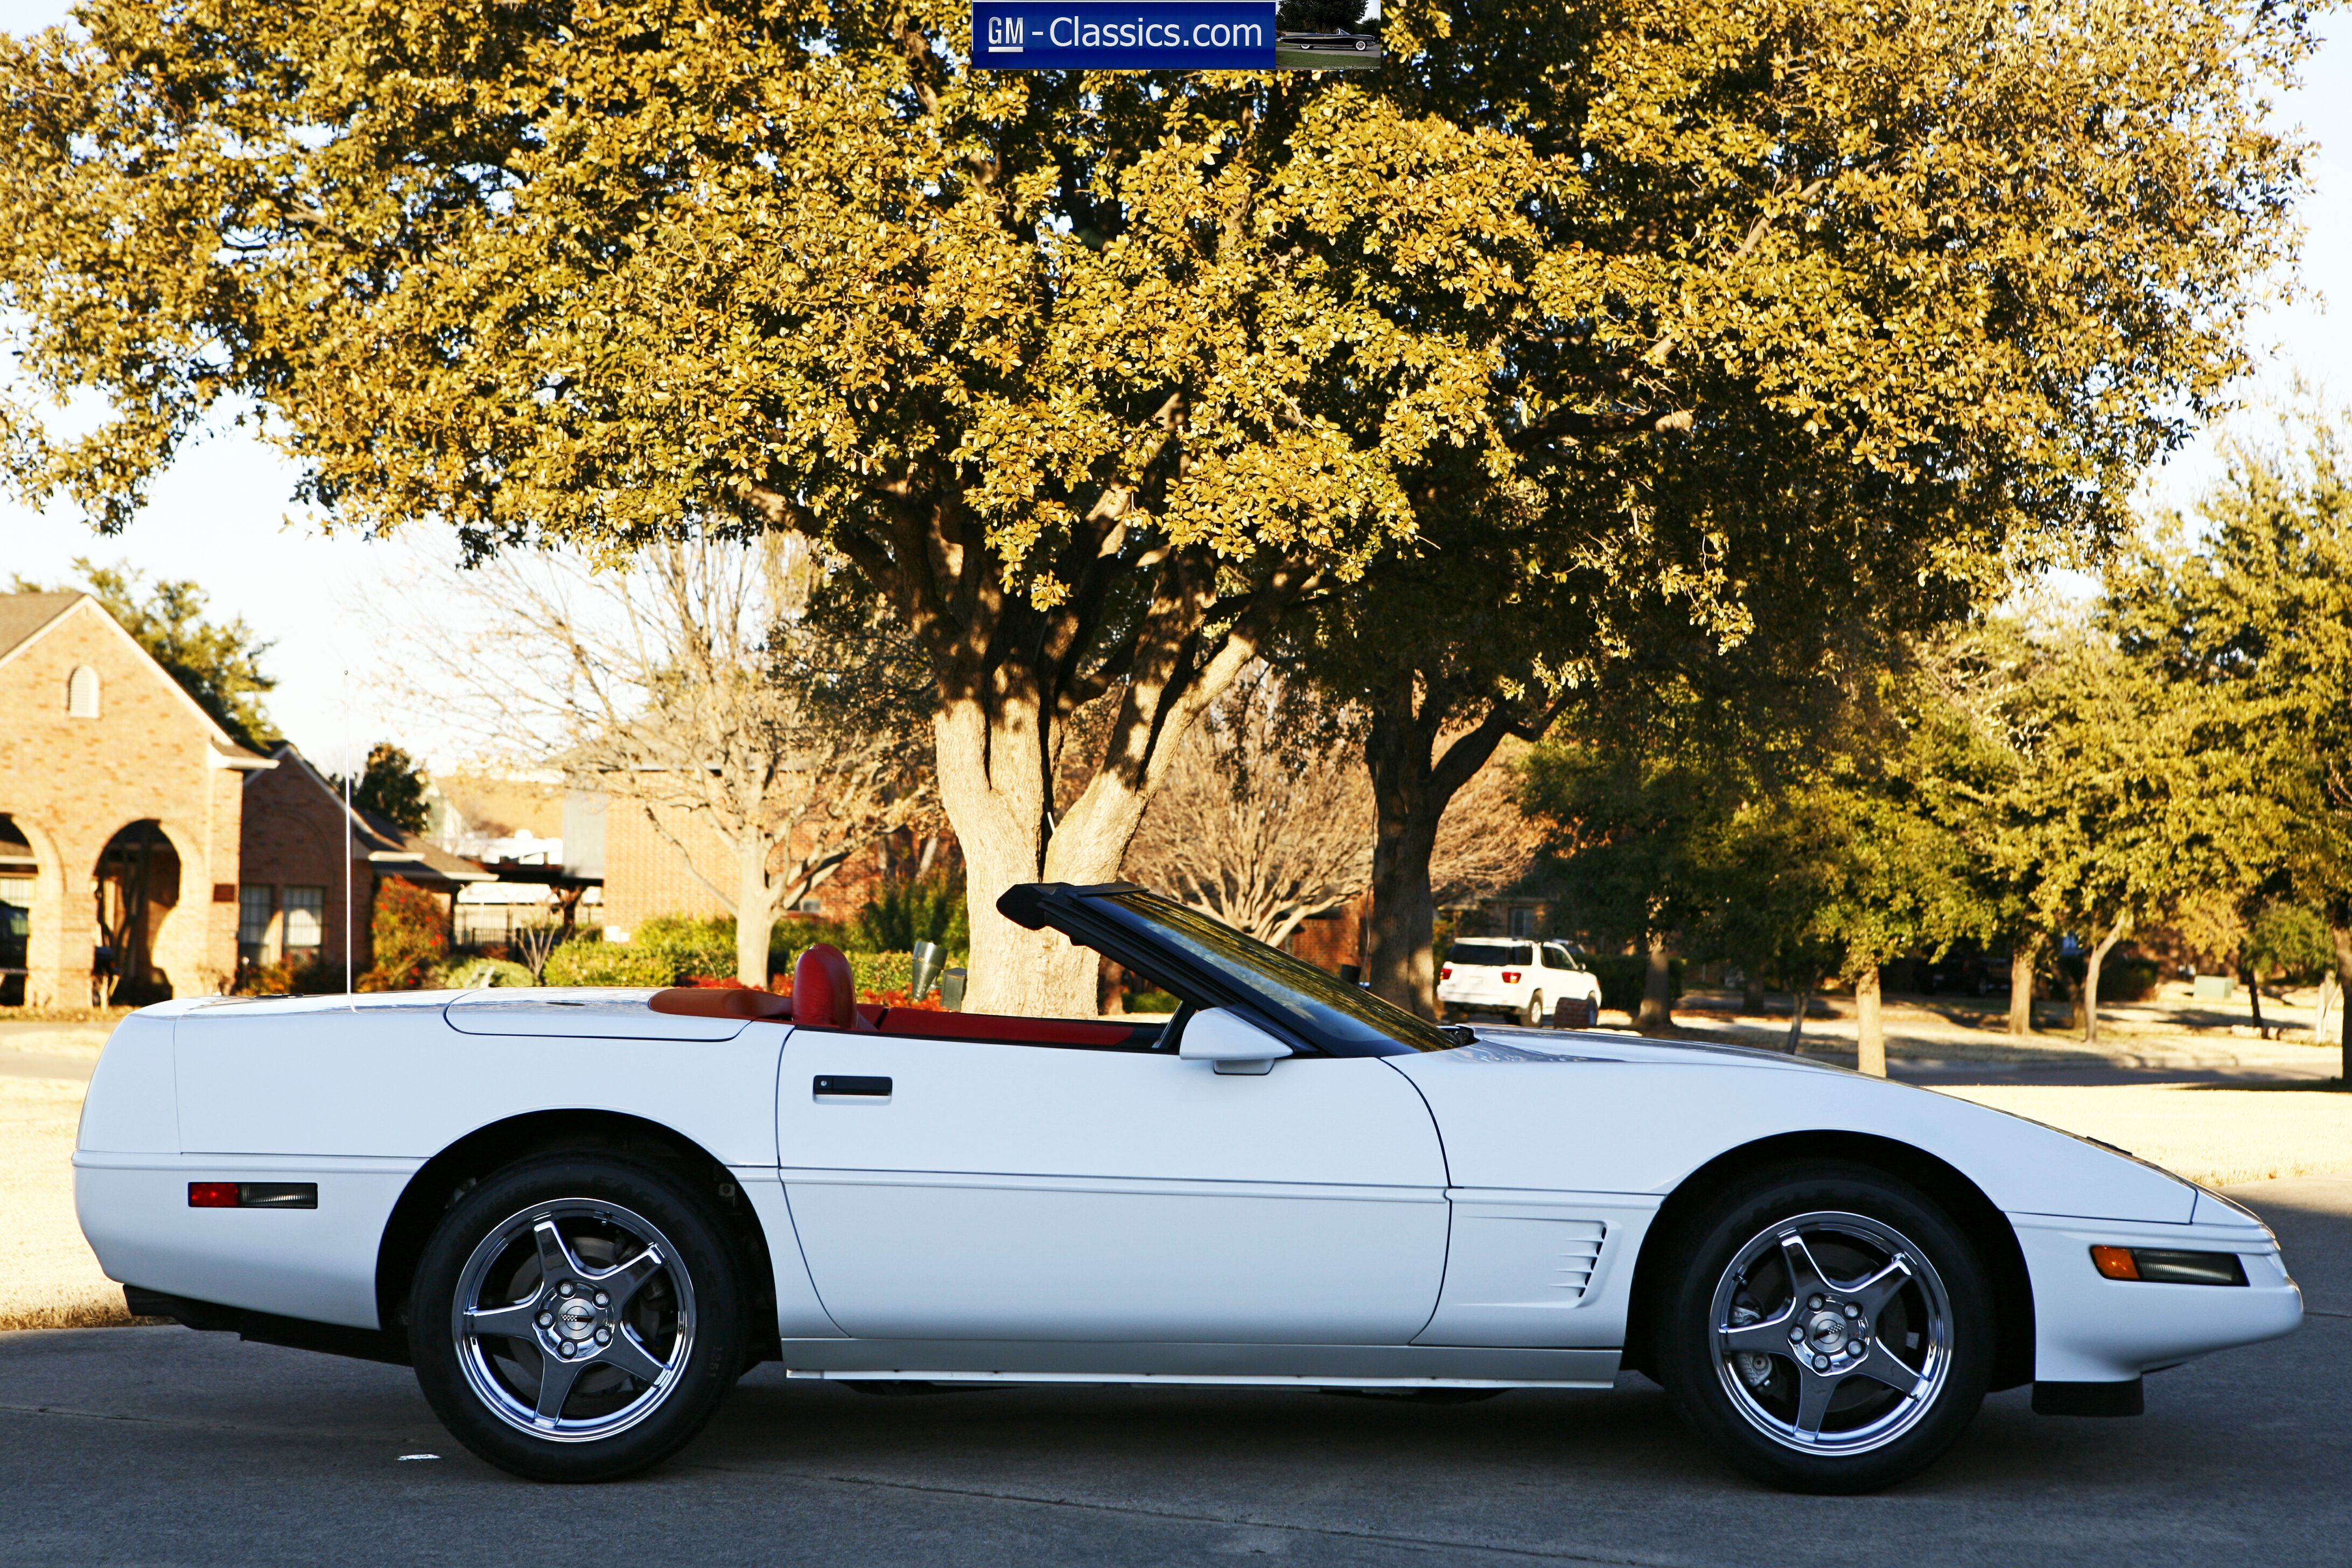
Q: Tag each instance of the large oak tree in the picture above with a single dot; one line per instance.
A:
(1098, 377)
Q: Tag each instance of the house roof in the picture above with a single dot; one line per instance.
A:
(22, 615)
(392, 849)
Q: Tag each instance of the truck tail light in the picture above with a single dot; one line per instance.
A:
(1446, 971)
(1510, 978)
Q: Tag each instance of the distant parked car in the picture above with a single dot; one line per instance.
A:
(1535, 983)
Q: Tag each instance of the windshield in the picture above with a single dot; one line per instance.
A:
(1348, 1018)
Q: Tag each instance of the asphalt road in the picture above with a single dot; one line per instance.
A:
(164, 1446)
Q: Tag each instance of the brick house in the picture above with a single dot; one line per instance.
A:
(291, 900)
(120, 816)
(659, 859)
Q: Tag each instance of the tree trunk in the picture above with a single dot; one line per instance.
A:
(2022, 959)
(1751, 993)
(1411, 785)
(1403, 920)
(755, 908)
(993, 784)
(2098, 956)
(1657, 1016)
(1800, 999)
(2340, 930)
(1869, 1030)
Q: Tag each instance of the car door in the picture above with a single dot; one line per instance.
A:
(969, 1190)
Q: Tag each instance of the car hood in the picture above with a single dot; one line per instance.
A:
(1507, 1044)
(1561, 1109)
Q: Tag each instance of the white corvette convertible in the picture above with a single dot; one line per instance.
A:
(580, 1215)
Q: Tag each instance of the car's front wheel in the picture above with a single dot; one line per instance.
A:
(1830, 1330)
(577, 1318)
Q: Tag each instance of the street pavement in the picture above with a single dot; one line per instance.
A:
(163, 1447)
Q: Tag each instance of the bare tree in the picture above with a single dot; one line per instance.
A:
(745, 693)
(1262, 822)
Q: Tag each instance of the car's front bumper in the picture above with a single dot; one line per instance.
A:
(2089, 1328)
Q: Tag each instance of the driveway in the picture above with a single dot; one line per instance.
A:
(160, 1447)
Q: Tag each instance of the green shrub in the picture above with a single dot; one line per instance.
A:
(2292, 940)
(474, 973)
(796, 934)
(930, 909)
(609, 963)
(1621, 978)
(411, 932)
(1149, 1001)
(2122, 978)
(692, 945)
(882, 971)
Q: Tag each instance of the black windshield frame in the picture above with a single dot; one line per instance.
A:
(1297, 998)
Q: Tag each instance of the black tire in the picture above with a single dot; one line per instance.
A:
(1932, 1299)
(657, 1348)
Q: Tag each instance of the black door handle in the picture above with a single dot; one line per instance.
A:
(867, 1088)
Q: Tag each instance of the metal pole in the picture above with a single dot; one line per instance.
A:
(347, 887)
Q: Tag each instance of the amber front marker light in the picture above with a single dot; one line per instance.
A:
(2164, 1266)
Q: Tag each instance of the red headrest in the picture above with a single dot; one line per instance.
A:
(825, 992)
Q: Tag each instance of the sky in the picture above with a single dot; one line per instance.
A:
(224, 515)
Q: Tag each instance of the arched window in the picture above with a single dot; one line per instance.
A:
(82, 693)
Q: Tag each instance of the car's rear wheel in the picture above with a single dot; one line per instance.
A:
(1532, 1015)
(577, 1318)
(1830, 1330)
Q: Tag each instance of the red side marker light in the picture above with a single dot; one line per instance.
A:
(212, 1194)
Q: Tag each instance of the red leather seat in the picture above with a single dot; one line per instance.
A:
(825, 992)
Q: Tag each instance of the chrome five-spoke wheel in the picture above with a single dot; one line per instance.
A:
(1829, 1327)
(574, 1320)
(1833, 1332)
(579, 1315)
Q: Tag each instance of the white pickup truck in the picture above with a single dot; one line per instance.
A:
(1536, 983)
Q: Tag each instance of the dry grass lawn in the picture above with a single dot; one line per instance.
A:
(2218, 1136)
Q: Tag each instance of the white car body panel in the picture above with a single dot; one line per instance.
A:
(1033, 1193)
(1604, 1113)
(355, 1094)
(1471, 1216)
